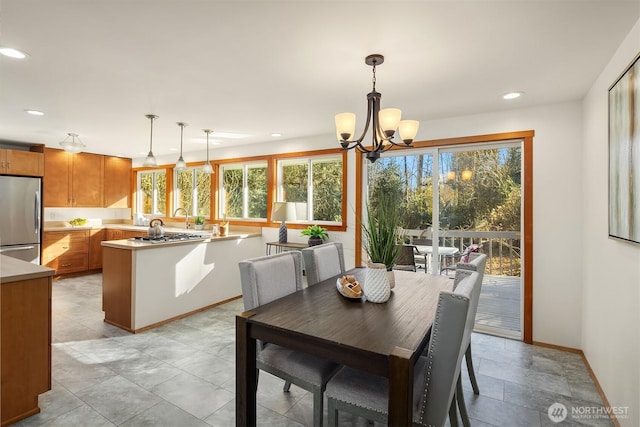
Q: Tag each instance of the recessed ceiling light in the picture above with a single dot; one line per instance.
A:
(12, 53)
(142, 152)
(275, 135)
(173, 149)
(34, 112)
(512, 95)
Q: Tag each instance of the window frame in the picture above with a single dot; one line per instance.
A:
(271, 160)
(175, 193)
(245, 166)
(309, 160)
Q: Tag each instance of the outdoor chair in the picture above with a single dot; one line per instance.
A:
(266, 279)
(450, 261)
(323, 261)
(435, 374)
(406, 258)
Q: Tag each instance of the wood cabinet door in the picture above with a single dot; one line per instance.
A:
(56, 178)
(25, 163)
(117, 182)
(86, 180)
(3, 160)
(66, 251)
(95, 248)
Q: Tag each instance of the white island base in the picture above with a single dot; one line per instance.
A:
(145, 285)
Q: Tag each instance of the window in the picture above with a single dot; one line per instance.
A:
(152, 197)
(316, 181)
(243, 192)
(193, 192)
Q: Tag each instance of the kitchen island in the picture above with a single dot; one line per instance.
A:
(25, 350)
(148, 284)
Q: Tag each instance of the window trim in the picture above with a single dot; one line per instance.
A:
(271, 160)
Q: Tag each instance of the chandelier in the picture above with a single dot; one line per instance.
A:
(384, 123)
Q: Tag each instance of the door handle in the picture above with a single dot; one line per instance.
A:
(21, 248)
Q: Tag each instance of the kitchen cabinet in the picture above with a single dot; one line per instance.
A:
(116, 234)
(117, 182)
(73, 180)
(95, 248)
(25, 347)
(66, 251)
(18, 162)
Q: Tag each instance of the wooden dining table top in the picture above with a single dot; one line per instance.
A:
(361, 334)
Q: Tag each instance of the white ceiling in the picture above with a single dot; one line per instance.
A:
(96, 67)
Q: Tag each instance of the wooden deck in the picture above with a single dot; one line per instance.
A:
(499, 306)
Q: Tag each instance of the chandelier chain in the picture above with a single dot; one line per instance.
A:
(373, 79)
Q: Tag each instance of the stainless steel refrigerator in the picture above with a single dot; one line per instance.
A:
(20, 217)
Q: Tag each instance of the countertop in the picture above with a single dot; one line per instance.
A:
(141, 244)
(122, 227)
(14, 270)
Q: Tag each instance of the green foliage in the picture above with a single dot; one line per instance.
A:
(490, 200)
(380, 230)
(315, 231)
(326, 179)
(199, 220)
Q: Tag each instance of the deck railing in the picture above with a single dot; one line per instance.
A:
(501, 247)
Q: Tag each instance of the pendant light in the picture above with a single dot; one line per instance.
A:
(150, 161)
(207, 166)
(72, 146)
(180, 164)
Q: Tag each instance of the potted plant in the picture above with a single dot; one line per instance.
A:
(199, 222)
(316, 234)
(380, 238)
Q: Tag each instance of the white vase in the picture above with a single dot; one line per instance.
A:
(376, 283)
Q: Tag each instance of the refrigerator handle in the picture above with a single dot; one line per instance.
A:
(36, 216)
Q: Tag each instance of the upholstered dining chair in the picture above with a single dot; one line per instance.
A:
(266, 279)
(435, 374)
(476, 263)
(323, 261)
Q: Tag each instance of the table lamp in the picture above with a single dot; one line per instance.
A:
(283, 211)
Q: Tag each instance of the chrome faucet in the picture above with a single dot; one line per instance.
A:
(186, 216)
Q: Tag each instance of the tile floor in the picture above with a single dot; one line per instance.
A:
(182, 374)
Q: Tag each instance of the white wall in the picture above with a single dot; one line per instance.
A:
(611, 268)
(557, 202)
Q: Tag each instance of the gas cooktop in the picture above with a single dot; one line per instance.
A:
(171, 238)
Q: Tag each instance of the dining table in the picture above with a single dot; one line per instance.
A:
(426, 252)
(380, 338)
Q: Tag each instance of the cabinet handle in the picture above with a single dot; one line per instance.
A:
(65, 247)
(8, 165)
(65, 265)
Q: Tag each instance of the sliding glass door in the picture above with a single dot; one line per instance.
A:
(455, 200)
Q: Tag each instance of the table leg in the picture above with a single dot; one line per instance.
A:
(246, 377)
(400, 388)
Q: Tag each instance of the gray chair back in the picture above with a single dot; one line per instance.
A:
(267, 278)
(445, 352)
(322, 262)
(476, 263)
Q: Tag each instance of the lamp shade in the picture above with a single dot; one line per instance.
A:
(345, 125)
(283, 211)
(389, 119)
(408, 130)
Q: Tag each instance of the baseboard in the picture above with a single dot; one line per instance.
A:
(592, 374)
